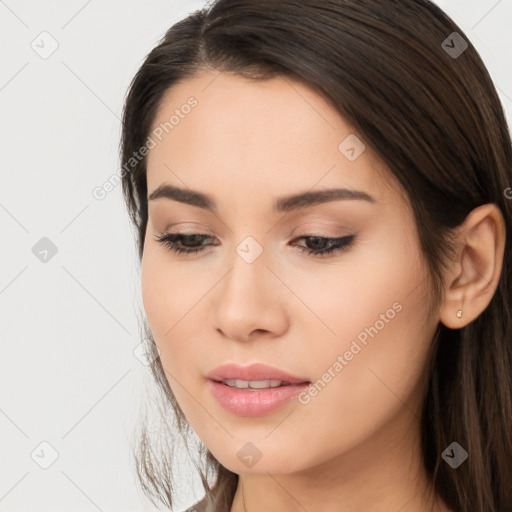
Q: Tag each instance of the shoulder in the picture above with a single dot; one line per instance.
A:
(203, 505)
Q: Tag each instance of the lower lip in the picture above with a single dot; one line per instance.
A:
(251, 403)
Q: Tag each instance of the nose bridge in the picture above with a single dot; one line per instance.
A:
(250, 249)
(248, 269)
(247, 301)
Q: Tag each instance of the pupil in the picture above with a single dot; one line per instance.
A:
(317, 242)
(191, 240)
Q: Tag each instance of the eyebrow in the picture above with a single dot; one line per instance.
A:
(283, 204)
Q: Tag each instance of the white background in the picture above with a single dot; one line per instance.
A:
(68, 375)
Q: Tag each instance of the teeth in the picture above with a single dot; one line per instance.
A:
(253, 384)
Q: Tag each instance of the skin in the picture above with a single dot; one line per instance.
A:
(356, 442)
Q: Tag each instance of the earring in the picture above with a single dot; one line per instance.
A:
(459, 313)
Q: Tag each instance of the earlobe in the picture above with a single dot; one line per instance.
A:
(476, 269)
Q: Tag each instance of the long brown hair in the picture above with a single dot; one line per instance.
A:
(426, 104)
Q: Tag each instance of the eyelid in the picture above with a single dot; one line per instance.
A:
(322, 234)
(330, 231)
(188, 230)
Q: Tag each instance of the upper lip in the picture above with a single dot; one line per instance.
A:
(256, 371)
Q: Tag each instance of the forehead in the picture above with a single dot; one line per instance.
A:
(257, 135)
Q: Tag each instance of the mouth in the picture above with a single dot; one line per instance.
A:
(254, 385)
(254, 376)
(254, 390)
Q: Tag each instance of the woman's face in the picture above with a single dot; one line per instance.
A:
(352, 322)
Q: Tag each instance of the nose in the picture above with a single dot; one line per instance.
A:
(250, 301)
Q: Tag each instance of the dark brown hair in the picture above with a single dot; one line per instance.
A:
(436, 121)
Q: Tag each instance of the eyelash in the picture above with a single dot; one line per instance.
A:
(342, 243)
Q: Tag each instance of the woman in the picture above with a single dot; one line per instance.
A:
(321, 192)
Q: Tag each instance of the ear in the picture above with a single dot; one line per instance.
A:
(473, 275)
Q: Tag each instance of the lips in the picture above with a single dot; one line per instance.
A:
(253, 372)
(255, 390)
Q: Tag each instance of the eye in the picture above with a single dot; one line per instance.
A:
(170, 241)
(188, 243)
(334, 245)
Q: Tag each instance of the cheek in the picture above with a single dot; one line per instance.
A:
(163, 303)
(340, 299)
(152, 297)
(383, 363)
(164, 307)
(171, 294)
(378, 325)
(163, 290)
(374, 383)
